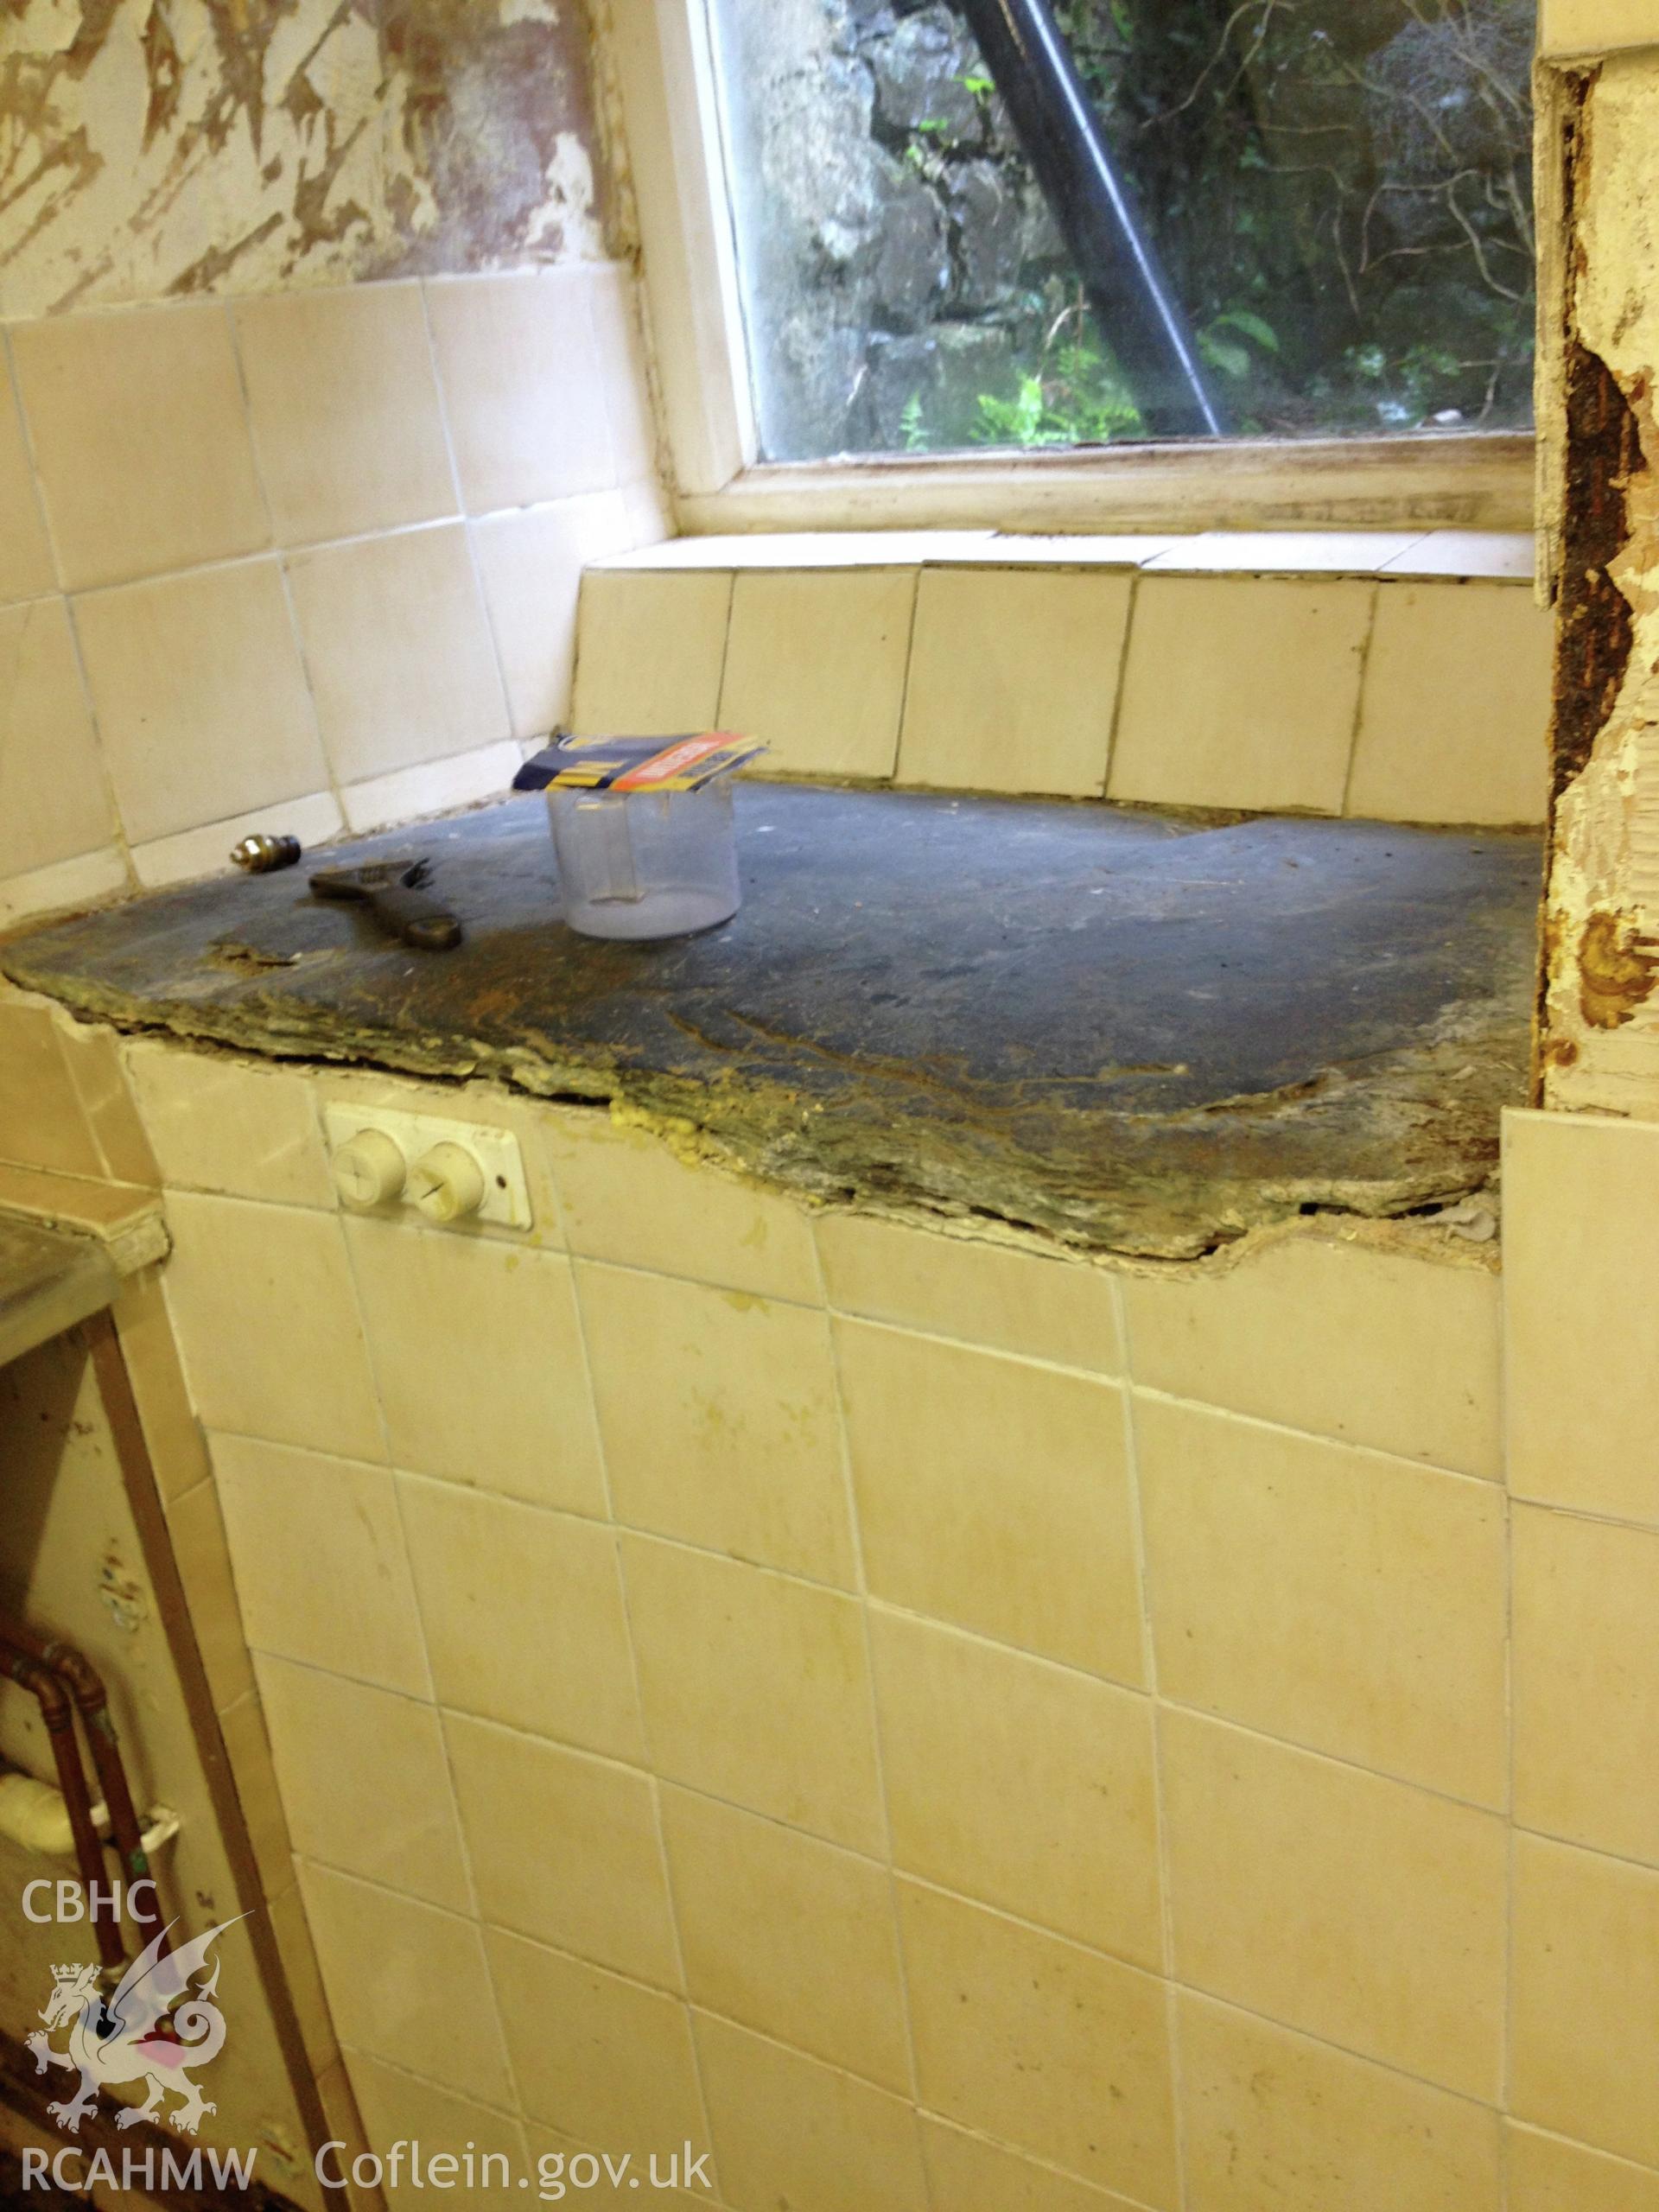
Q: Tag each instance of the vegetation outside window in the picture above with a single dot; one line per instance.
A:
(1339, 192)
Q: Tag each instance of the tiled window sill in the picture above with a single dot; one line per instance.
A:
(1487, 555)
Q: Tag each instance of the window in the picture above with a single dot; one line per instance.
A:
(1335, 194)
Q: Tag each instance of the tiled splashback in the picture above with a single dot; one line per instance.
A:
(1394, 677)
(303, 561)
(1272, 1821)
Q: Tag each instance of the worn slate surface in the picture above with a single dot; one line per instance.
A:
(1131, 1032)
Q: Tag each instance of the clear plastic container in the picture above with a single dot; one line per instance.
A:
(642, 864)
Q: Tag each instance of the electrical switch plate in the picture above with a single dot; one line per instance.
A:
(507, 1196)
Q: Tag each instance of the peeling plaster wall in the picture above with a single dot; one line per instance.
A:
(1600, 1018)
(153, 148)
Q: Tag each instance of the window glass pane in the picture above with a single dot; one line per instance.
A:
(1338, 192)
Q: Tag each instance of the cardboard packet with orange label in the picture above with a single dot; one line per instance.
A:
(637, 764)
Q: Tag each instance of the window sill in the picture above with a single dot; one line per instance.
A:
(1468, 555)
(1473, 483)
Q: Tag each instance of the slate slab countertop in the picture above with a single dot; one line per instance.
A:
(1129, 1032)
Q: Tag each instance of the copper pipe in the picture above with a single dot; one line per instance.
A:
(86, 1686)
(49, 1693)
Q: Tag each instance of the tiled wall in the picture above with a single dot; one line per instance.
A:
(1393, 676)
(952, 1730)
(301, 562)
(73, 1148)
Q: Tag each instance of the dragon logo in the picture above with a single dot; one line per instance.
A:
(141, 2034)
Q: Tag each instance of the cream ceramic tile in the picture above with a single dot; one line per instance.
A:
(85, 881)
(195, 1528)
(98, 1070)
(321, 1567)
(407, 1984)
(1079, 549)
(627, 1197)
(1362, 1910)
(42, 1123)
(1468, 553)
(364, 1782)
(1284, 552)
(1021, 1784)
(140, 441)
(523, 385)
(53, 802)
(1546, 2175)
(1453, 721)
(200, 699)
(790, 2131)
(298, 1954)
(1585, 1970)
(788, 1935)
(735, 1445)
(564, 1848)
(989, 1295)
(344, 2128)
(756, 1688)
(650, 512)
(1041, 2044)
(1586, 1682)
(1241, 692)
(602, 2059)
(477, 1348)
(344, 409)
(243, 1128)
(816, 667)
(266, 1318)
(970, 2174)
(529, 562)
(434, 787)
(1596, 26)
(1379, 1635)
(1581, 1233)
(523, 1612)
(650, 653)
(399, 2108)
(952, 1449)
(313, 819)
(399, 649)
(1369, 1347)
(806, 549)
(26, 569)
(247, 1747)
(1272, 2119)
(172, 1437)
(1013, 679)
(624, 377)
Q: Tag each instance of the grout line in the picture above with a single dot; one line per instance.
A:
(1360, 689)
(475, 1918)
(884, 1793)
(1160, 1811)
(1131, 614)
(652, 1765)
(902, 731)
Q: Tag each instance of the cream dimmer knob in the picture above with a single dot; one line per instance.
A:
(448, 1184)
(369, 1171)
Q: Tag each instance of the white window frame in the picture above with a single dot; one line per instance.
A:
(1477, 481)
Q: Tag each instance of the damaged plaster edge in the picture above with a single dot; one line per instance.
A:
(1458, 1227)
(1597, 1034)
(1560, 92)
